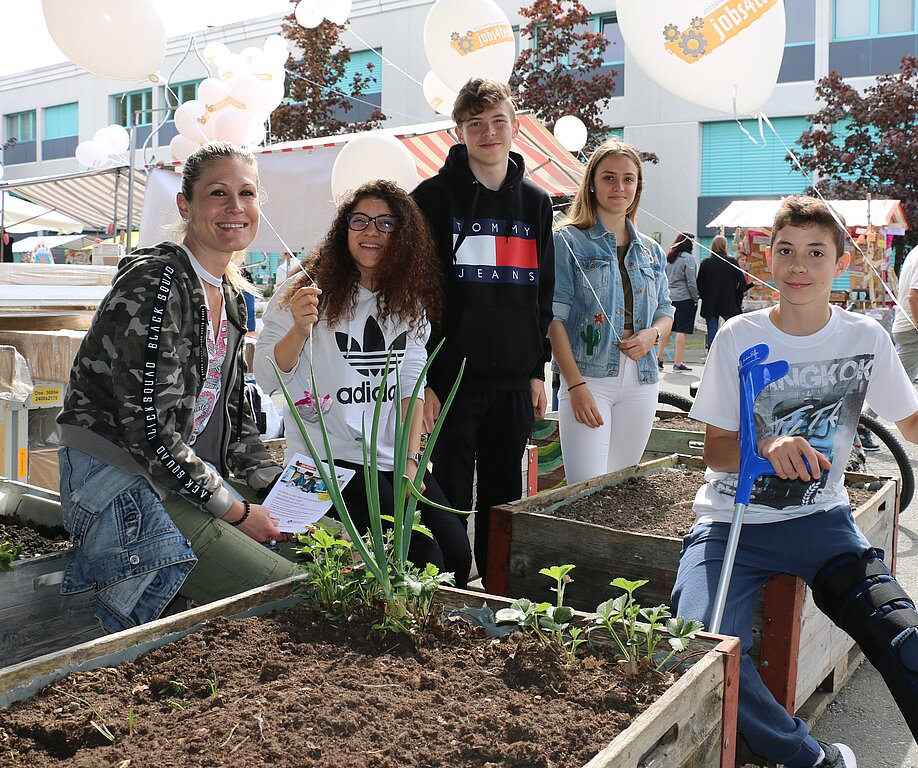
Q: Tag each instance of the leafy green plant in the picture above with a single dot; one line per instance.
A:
(388, 565)
(621, 618)
(8, 553)
(549, 624)
(331, 575)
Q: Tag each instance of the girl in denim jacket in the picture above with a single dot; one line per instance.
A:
(611, 306)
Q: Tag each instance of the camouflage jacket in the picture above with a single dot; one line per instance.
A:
(139, 371)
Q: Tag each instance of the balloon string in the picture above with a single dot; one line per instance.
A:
(713, 253)
(379, 53)
(618, 339)
(287, 248)
(837, 218)
(329, 89)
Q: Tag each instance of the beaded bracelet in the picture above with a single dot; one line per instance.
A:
(576, 385)
(245, 514)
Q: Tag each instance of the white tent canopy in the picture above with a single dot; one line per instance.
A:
(26, 244)
(20, 216)
(761, 213)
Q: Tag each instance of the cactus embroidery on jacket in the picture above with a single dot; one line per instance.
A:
(592, 335)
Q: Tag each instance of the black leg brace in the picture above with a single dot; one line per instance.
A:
(863, 598)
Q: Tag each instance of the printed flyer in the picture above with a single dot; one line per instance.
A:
(299, 497)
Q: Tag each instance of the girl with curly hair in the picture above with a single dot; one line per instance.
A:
(372, 287)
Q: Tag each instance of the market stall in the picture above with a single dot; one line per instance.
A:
(872, 224)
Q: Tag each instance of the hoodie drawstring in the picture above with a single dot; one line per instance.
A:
(469, 217)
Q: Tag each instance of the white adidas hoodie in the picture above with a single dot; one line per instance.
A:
(348, 360)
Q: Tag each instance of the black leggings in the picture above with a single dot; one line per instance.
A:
(449, 549)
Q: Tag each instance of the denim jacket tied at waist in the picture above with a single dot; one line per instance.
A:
(586, 263)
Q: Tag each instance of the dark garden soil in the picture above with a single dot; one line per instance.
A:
(658, 504)
(34, 542)
(679, 422)
(291, 690)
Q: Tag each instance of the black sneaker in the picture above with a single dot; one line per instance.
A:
(868, 443)
(837, 756)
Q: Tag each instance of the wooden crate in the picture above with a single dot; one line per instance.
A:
(665, 442)
(35, 618)
(693, 725)
(804, 659)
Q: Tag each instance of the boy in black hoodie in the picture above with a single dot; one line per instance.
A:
(492, 228)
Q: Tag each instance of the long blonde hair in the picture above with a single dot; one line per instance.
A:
(582, 213)
(194, 166)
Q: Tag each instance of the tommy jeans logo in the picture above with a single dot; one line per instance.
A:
(369, 359)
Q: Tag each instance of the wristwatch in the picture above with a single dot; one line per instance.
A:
(414, 456)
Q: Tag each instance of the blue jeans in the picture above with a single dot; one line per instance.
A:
(713, 326)
(799, 546)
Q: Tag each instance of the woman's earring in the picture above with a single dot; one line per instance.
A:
(591, 189)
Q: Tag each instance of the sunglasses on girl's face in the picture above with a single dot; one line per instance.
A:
(385, 223)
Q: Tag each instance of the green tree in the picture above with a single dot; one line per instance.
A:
(866, 141)
(562, 73)
(317, 102)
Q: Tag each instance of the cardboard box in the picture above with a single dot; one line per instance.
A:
(44, 470)
(49, 354)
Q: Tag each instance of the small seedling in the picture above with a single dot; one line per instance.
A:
(212, 684)
(98, 724)
(8, 553)
(175, 692)
(130, 722)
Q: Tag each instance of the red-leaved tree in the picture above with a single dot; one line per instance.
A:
(562, 73)
(318, 103)
(867, 141)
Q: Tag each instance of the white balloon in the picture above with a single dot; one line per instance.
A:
(256, 134)
(214, 53)
(249, 52)
(337, 11)
(249, 91)
(571, 132)
(437, 95)
(230, 126)
(212, 91)
(232, 66)
(469, 38)
(373, 156)
(725, 57)
(275, 96)
(91, 154)
(181, 147)
(276, 49)
(110, 38)
(114, 138)
(308, 14)
(189, 119)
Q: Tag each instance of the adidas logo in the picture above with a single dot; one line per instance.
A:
(370, 358)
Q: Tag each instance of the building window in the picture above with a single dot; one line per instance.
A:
(801, 23)
(856, 19)
(799, 62)
(613, 58)
(139, 103)
(21, 126)
(363, 106)
(179, 93)
(61, 131)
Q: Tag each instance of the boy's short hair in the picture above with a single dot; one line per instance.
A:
(479, 94)
(805, 211)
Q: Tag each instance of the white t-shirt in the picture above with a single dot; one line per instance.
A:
(349, 360)
(831, 374)
(281, 275)
(908, 279)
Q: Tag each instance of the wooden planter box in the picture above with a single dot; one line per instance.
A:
(692, 725)
(35, 618)
(665, 442)
(804, 658)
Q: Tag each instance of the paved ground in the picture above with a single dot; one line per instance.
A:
(864, 715)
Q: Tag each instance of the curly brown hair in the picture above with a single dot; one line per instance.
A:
(409, 279)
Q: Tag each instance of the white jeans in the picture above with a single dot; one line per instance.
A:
(627, 408)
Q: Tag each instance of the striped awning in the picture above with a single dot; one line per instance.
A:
(548, 163)
(96, 198)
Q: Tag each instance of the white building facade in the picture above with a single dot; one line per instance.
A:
(705, 159)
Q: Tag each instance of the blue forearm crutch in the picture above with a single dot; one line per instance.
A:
(754, 375)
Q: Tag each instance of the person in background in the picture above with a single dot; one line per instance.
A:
(249, 297)
(492, 230)
(905, 324)
(381, 289)
(611, 307)
(721, 285)
(283, 269)
(153, 424)
(6, 239)
(683, 292)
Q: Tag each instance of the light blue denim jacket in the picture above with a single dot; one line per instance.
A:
(583, 255)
